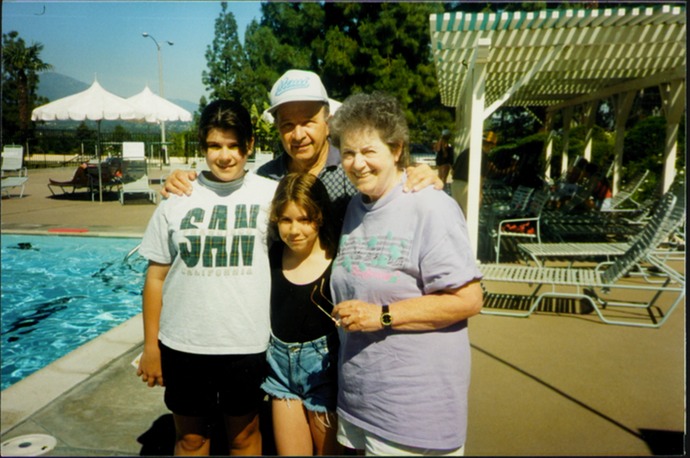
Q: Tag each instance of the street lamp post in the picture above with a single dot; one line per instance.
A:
(160, 88)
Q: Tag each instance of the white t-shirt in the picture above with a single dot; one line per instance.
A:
(216, 295)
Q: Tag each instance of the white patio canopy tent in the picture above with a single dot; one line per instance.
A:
(561, 59)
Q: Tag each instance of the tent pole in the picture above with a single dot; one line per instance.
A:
(98, 158)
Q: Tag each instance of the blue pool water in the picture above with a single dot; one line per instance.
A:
(59, 292)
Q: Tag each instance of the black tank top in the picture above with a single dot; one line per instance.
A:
(294, 317)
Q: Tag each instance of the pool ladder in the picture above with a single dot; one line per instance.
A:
(131, 253)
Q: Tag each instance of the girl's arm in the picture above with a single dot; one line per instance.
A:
(426, 313)
(150, 364)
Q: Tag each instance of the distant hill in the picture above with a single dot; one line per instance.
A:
(54, 86)
(186, 104)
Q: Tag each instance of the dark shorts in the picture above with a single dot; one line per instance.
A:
(201, 385)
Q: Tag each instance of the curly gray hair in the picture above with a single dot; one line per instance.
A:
(378, 111)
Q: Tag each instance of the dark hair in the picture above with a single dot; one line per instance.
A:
(377, 111)
(226, 115)
(308, 193)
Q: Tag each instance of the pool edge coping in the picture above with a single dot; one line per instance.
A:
(60, 232)
(31, 394)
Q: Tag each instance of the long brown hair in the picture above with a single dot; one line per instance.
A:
(307, 192)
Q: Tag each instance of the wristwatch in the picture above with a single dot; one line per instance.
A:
(386, 319)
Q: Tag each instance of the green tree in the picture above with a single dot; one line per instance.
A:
(362, 46)
(119, 134)
(644, 150)
(353, 47)
(266, 136)
(296, 26)
(225, 59)
(20, 67)
(83, 133)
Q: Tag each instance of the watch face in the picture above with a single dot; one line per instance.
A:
(386, 319)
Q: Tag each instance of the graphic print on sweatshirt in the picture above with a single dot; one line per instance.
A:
(374, 257)
(210, 246)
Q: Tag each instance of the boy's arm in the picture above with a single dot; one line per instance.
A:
(150, 364)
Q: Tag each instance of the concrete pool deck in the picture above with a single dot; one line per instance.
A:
(548, 385)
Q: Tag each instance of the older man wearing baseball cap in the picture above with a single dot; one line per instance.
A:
(300, 108)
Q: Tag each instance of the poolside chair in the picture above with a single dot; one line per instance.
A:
(135, 178)
(539, 252)
(496, 194)
(591, 284)
(572, 222)
(80, 180)
(504, 204)
(527, 226)
(625, 194)
(14, 174)
(518, 202)
(499, 207)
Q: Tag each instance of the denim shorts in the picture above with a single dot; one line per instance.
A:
(305, 371)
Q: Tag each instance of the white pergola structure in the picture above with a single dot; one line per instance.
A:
(560, 59)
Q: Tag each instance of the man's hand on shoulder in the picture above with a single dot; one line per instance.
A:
(422, 176)
(179, 182)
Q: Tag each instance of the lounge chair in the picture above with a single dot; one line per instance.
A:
(625, 194)
(80, 180)
(527, 226)
(497, 207)
(572, 223)
(539, 252)
(591, 284)
(518, 203)
(135, 178)
(580, 217)
(14, 174)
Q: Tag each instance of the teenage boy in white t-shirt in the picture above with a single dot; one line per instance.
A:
(206, 300)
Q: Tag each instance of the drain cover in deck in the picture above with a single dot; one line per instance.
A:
(28, 445)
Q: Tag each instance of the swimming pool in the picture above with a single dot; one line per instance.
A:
(59, 292)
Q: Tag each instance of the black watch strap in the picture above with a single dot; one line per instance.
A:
(386, 319)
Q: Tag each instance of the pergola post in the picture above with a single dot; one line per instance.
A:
(548, 144)
(590, 114)
(622, 105)
(673, 102)
(567, 120)
(478, 78)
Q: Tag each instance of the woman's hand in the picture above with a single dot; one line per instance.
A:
(355, 315)
(150, 368)
(179, 182)
(430, 312)
(420, 177)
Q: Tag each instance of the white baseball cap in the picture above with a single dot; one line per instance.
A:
(297, 86)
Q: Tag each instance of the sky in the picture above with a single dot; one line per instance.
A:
(103, 40)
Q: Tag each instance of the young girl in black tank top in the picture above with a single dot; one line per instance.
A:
(303, 351)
